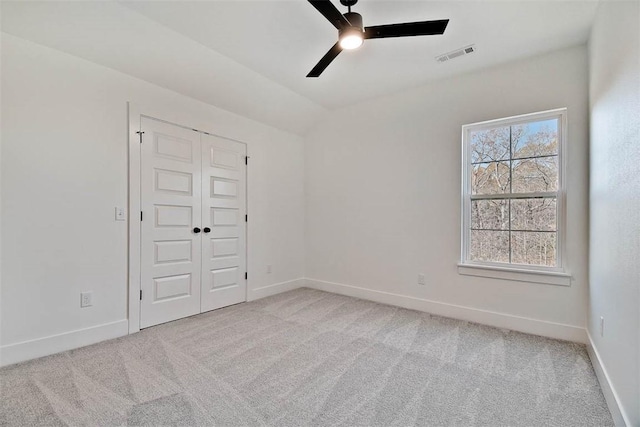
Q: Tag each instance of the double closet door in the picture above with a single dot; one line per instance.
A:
(193, 247)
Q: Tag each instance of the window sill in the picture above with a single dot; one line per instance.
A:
(556, 278)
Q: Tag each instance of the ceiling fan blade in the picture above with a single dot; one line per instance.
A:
(329, 11)
(424, 28)
(325, 61)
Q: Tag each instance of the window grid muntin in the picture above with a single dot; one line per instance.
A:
(516, 158)
(499, 196)
(515, 231)
(510, 183)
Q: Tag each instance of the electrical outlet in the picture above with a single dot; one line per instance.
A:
(268, 268)
(120, 214)
(601, 326)
(86, 299)
(421, 279)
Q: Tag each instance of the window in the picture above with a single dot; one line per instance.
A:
(513, 192)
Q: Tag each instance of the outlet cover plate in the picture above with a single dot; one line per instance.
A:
(120, 214)
(86, 299)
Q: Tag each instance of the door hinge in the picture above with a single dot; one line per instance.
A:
(246, 218)
(246, 160)
(140, 215)
(140, 133)
(140, 294)
(245, 275)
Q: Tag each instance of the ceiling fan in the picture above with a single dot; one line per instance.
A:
(351, 33)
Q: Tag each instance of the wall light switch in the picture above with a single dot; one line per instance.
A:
(268, 268)
(421, 280)
(120, 214)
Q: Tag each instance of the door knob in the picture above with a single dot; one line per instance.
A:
(196, 230)
(206, 229)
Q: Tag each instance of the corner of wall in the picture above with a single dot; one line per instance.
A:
(277, 288)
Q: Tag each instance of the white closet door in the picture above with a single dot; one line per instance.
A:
(223, 220)
(172, 206)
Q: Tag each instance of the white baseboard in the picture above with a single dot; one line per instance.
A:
(40, 347)
(14, 353)
(32, 349)
(491, 318)
(618, 413)
(267, 291)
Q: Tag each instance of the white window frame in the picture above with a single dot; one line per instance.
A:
(557, 275)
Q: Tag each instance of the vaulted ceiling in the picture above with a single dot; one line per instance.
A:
(251, 57)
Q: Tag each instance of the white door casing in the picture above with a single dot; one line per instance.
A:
(172, 207)
(223, 213)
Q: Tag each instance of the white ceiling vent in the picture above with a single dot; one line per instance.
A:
(456, 53)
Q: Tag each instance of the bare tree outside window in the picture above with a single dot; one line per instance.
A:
(513, 192)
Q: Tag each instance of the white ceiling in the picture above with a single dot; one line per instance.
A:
(251, 57)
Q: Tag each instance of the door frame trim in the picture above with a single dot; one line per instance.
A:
(135, 232)
(135, 114)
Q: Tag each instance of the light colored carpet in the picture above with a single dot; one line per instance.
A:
(307, 357)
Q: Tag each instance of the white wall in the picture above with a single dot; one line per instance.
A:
(383, 183)
(0, 185)
(614, 268)
(64, 169)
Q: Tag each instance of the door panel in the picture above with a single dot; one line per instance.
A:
(172, 207)
(172, 287)
(173, 182)
(224, 188)
(224, 247)
(172, 251)
(223, 210)
(225, 278)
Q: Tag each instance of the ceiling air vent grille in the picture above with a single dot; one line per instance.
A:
(456, 53)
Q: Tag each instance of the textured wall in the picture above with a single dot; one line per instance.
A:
(614, 267)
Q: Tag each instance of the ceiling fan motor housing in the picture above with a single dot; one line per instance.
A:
(355, 19)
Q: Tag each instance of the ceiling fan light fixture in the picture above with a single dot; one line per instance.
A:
(352, 32)
(351, 38)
